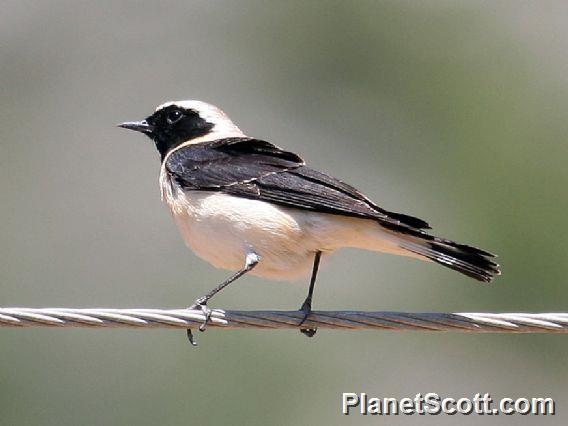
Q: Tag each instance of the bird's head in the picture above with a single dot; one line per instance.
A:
(184, 122)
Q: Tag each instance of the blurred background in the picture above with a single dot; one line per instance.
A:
(451, 111)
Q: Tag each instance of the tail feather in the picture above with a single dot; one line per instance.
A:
(470, 261)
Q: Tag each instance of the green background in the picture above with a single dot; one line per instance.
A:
(453, 111)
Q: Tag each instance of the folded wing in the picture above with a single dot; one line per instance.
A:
(256, 169)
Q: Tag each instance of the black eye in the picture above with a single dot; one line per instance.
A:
(174, 116)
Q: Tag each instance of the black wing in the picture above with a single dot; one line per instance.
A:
(256, 169)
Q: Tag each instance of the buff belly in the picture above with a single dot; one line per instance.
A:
(222, 228)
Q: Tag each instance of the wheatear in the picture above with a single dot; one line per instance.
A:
(246, 205)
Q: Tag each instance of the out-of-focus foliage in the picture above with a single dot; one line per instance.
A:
(451, 111)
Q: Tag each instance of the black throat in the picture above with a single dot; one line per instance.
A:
(168, 134)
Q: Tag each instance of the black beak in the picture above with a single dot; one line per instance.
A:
(139, 126)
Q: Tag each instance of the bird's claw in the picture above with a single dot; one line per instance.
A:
(307, 310)
(202, 306)
(199, 305)
(190, 337)
(308, 332)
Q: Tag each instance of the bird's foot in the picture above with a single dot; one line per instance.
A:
(307, 310)
(199, 304)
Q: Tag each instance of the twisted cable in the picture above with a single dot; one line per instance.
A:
(346, 320)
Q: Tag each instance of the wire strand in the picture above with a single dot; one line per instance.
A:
(345, 320)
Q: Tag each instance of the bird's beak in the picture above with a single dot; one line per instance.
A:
(139, 126)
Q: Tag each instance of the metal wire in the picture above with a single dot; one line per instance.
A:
(346, 320)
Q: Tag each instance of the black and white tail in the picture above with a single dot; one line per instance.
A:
(468, 260)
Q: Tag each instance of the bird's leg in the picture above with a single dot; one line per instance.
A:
(251, 261)
(307, 305)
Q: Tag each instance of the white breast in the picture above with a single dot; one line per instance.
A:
(222, 228)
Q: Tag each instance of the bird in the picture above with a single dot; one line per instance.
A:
(248, 206)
